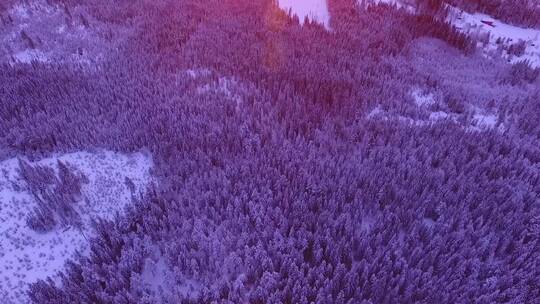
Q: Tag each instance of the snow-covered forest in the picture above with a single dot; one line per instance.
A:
(269, 151)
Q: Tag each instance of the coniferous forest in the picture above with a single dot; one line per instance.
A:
(384, 157)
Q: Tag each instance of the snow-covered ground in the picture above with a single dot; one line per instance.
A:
(483, 25)
(313, 9)
(26, 255)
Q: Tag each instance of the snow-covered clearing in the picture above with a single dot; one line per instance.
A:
(26, 255)
(498, 35)
(316, 10)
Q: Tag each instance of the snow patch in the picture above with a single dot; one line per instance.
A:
(196, 73)
(26, 255)
(482, 122)
(28, 8)
(439, 115)
(422, 98)
(485, 120)
(225, 86)
(377, 111)
(28, 55)
(316, 10)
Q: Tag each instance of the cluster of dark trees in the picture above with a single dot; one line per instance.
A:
(55, 196)
(292, 194)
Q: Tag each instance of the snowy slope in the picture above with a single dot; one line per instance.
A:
(44, 31)
(495, 35)
(25, 255)
(313, 9)
(481, 24)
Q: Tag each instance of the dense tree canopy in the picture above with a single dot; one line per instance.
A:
(275, 183)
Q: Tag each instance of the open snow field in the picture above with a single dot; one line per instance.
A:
(26, 255)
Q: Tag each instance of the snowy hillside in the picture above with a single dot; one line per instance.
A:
(27, 255)
(45, 31)
(495, 37)
(498, 38)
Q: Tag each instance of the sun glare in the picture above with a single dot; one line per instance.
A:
(313, 9)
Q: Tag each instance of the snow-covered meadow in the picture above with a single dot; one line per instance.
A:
(27, 255)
